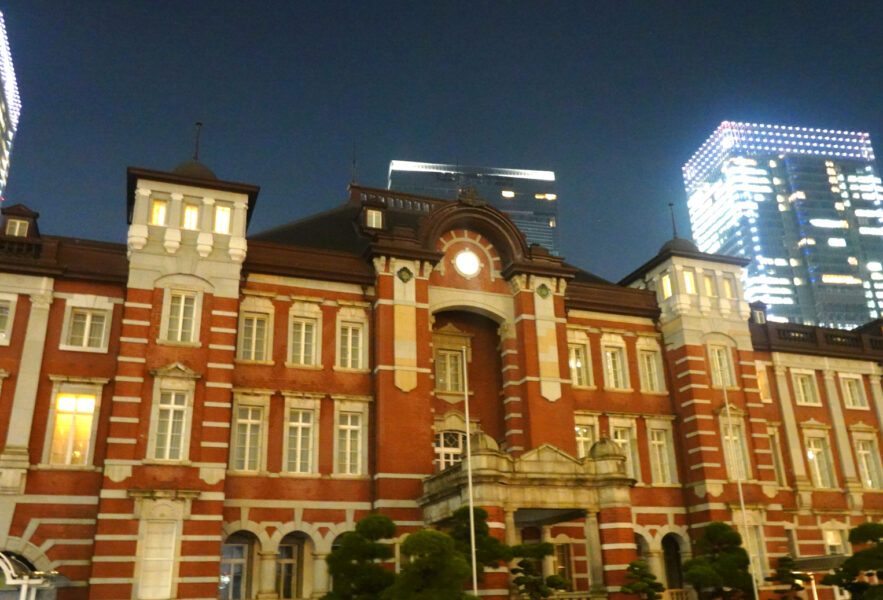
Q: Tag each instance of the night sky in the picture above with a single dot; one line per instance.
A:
(613, 96)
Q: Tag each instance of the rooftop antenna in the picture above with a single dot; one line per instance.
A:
(674, 226)
(196, 142)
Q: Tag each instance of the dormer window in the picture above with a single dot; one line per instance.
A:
(158, 212)
(223, 212)
(17, 227)
(374, 218)
(191, 217)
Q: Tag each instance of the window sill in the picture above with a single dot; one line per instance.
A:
(350, 370)
(857, 407)
(294, 475)
(584, 387)
(655, 392)
(291, 365)
(162, 342)
(815, 405)
(51, 467)
(358, 477)
(663, 485)
(248, 473)
(102, 350)
(248, 361)
(625, 390)
(166, 463)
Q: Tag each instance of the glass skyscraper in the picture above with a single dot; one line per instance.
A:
(10, 104)
(528, 197)
(804, 205)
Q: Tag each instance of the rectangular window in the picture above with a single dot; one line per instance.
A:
(233, 572)
(834, 541)
(805, 391)
(158, 211)
(72, 433)
(853, 392)
(191, 217)
(170, 424)
(614, 367)
(563, 563)
(710, 288)
(223, 214)
(661, 464)
(17, 228)
(303, 342)
(247, 445)
(729, 287)
(253, 336)
(763, 383)
(666, 285)
(350, 346)
(721, 366)
(5, 321)
(182, 315)
(448, 447)
(735, 450)
(757, 552)
(349, 443)
(869, 467)
(157, 560)
(651, 380)
(778, 463)
(579, 366)
(449, 371)
(301, 429)
(585, 438)
(289, 570)
(373, 218)
(624, 436)
(86, 328)
(819, 455)
(689, 282)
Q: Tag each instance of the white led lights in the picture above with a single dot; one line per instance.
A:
(7, 73)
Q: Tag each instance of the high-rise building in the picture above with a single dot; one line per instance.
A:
(10, 104)
(529, 197)
(804, 205)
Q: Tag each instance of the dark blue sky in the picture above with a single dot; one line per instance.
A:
(613, 96)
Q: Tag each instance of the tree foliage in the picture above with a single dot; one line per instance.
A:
(642, 582)
(790, 582)
(489, 551)
(436, 571)
(529, 572)
(866, 562)
(354, 565)
(720, 567)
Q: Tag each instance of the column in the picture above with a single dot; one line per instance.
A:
(267, 574)
(14, 460)
(238, 245)
(877, 394)
(205, 239)
(548, 561)
(320, 574)
(511, 532)
(172, 240)
(657, 566)
(137, 236)
(593, 551)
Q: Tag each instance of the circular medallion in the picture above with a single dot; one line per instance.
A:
(467, 263)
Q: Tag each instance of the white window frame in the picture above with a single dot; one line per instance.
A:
(190, 205)
(446, 358)
(577, 340)
(613, 345)
(630, 447)
(817, 475)
(584, 443)
(868, 462)
(356, 407)
(260, 403)
(173, 378)
(355, 317)
(90, 305)
(254, 307)
(305, 312)
(779, 467)
(689, 281)
(857, 401)
(709, 285)
(832, 531)
(650, 366)
(718, 353)
(441, 459)
(665, 285)
(144, 576)
(14, 227)
(800, 394)
(310, 405)
(734, 444)
(9, 301)
(763, 382)
(374, 218)
(155, 203)
(79, 386)
(222, 225)
(665, 472)
(165, 323)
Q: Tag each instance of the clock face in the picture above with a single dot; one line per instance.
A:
(467, 263)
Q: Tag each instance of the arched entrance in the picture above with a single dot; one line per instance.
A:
(671, 555)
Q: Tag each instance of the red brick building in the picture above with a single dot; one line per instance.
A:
(198, 414)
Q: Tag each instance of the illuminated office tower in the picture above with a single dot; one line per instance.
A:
(804, 205)
(10, 105)
(529, 197)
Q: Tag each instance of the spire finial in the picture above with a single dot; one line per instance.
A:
(196, 142)
(674, 226)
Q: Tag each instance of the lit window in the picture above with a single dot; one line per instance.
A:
(586, 436)
(467, 263)
(689, 282)
(72, 432)
(449, 447)
(156, 559)
(17, 228)
(507, 194)
(247, 434)
(869, 468)
(666, 285)
(253, 336)
(191, 216)
(624, 437)
(735, 449)
(86, 328)
(350, 355)
(579, 367)
(661, 456)
(834, 541)
(301, 440)
(649, 366)
(729, 287)
(303, 342)
(349, 443)
(449, 370)
(158, 211)
(763, 384)
(853, 392)
(615, 374)
(223, 213)
(721, 366)
(819, 455)
(551, 196)
(805, 391)
(710, 289)
(171, 421)
(373, 218)
(552, 222)
(180, 324)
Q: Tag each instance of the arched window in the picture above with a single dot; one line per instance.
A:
(449, 447)
(236, 566)
(671, 555)
(290, 566)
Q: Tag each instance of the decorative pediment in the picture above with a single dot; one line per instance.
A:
(176, 370)
(547, 453)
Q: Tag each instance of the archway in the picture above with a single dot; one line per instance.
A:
(671, 554)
